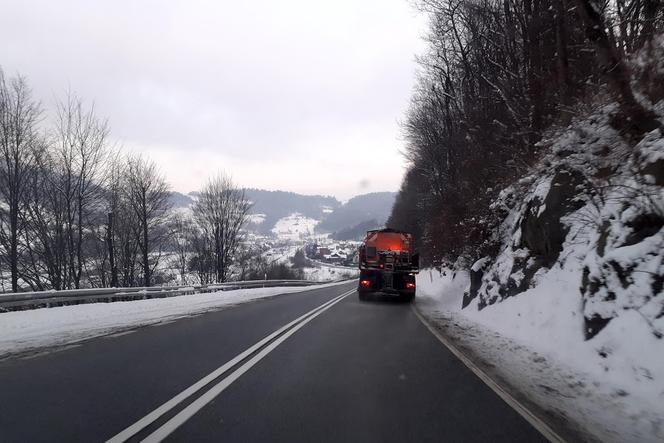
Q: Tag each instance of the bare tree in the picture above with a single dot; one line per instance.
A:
(181, 239)
(221, 211)
(79, 159)
(147, 195)
(497, 74)
(45, 236)
(639, 120)
(91, 154)
(201, 262)
(19, 114)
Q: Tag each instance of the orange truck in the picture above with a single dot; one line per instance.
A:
(388, 264)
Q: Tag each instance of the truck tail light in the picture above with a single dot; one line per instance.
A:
(365, 283)
(410, 285)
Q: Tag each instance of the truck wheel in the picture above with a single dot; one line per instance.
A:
(362, 296)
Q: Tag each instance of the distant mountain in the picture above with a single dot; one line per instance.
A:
(179, 200)
(279, 204)
(345, 220)
(356, 232)
(374, 206)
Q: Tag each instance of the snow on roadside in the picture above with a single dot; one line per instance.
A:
(322, 272)
(22, 331)
(534, 341)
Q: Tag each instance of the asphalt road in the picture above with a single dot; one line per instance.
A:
(350, 371)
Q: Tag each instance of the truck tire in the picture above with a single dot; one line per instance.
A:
(362, 296)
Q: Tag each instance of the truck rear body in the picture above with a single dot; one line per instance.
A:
(388, 263)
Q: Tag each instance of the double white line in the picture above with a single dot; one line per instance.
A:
(264, 347)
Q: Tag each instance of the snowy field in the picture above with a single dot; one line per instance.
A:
(611, 385)
(26, 331)
(256, 219)
(329, 273)
(294, 227)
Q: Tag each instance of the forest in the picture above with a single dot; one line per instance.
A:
(497, 79)
(77, 212)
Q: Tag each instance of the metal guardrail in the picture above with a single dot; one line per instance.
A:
(31, 300)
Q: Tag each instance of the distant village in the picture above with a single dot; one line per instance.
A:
(340, 253)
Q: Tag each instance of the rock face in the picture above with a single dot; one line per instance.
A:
(539, 233)
(542, 230)
(476, 274)
(590, 215)
(625, 271)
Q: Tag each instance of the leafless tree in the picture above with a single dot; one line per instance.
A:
(45, 236)
(612, 63)
(202, 261)
(498, 73)
(147, 195)
(181, 238)
(19, 115)
(221, 212)
(80, 153)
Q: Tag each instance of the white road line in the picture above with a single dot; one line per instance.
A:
(171, 425)
(162, 323)
(170, 404)
(524, 412)
(120, 334)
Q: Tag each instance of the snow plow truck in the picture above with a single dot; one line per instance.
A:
(388, 264)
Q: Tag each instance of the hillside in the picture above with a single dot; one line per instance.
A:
(279, 204)
(179, 200)
(360, 213)
(362, 208)
(356, 232)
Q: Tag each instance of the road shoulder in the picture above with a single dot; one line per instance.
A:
(494, 361)
(32, 332)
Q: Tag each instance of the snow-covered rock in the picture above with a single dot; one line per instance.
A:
(578, 279)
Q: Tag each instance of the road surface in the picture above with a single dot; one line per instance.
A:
(349, 371)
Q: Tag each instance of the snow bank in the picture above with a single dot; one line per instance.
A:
(328, 273)
(611, 386)
(576, 281)
(22, 331)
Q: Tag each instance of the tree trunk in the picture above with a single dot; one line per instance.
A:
(562, 61)
(79, 246)
(13, 245)
(635, 120)
(111, 251)
(534, 63)
(146, 264)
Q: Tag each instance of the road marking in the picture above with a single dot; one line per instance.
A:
(524, 412)
(170, 404)
(162, 323)
(120, 334)
(171, 425)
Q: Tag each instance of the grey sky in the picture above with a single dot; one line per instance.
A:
(295, 95)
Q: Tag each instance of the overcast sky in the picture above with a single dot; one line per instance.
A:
(299, 95)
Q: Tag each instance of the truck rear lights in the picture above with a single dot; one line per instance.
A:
(410, 285)
(365, 283)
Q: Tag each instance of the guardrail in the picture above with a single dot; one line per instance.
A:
(31, 300)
